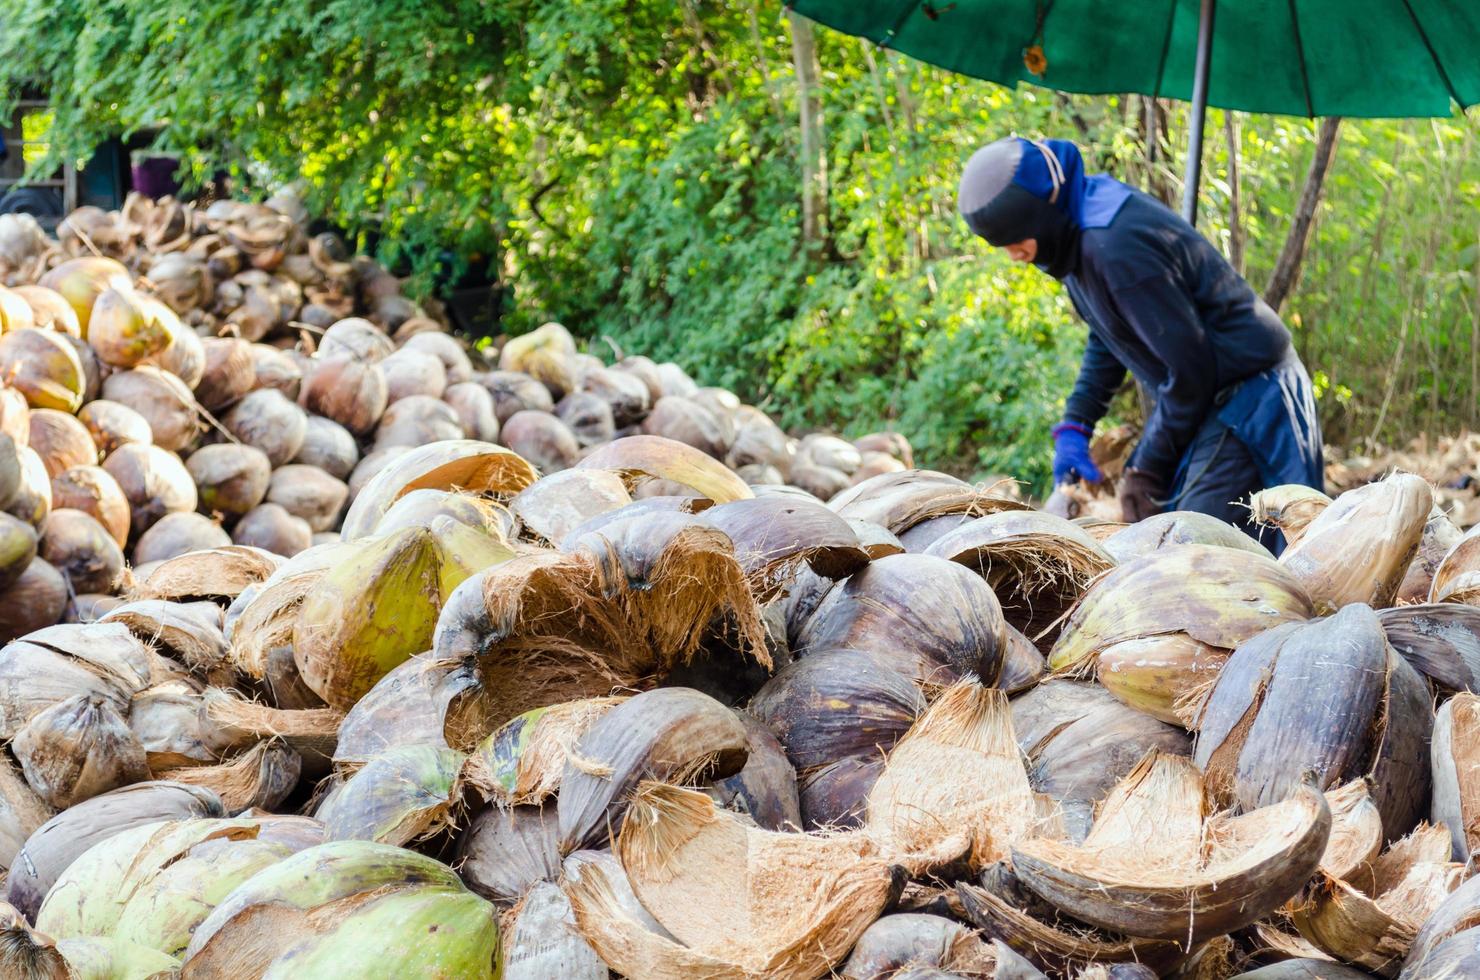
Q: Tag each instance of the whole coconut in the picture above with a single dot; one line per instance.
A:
(17, 548)
(123, 331)
(81, 281)
(154, 482)
(230, 372)
(112, 424)
(445, 347)
(310, 493)
(372, 464)
(92, 368)
(82, 550)
(688, 421)
(276, 369)
(92, 490)
(329, 446)
(542, 439)
(32, 499)
(413, 372)
(645, 371)
(10, 470)
(229, 479)
(36, 600)
(623, 391)
(61, 440)
(268, 421)
(474, 407)
(588, 416)
(162, 399)
(675, 380)
(15, 416)
(349, 391)
(514, 392)
(178, 534)
(185, 357)
(51, 310)
(356, 338)
(416, 421)
(272, 528)
(44, 367)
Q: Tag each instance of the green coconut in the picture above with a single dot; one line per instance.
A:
(398, 797)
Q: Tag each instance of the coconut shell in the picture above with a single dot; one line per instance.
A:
(231, 479)
(475, 410)
(1456, 789)
(164, 401)
(1457, 579)
(476, 467)
(1022, 665)
(61, 840)
(513, 392)
(82, 550)
(43, 367)
(112, 425)
(639, 459)
(505, 851)
(556, 505)
(1358, 549)
(1174, 528)
(543, 439)
(672, 734)
(359, 893)
(61, 441)
(309, 493)
(899, 501)
(271, 528)
(358, 338)
(1440, 535)
(1217, 596)
(35, 600)
(936, 620)
(93, 491)
(403, 795)
(416, 420)
(175, 534)
(230, 372)
(765, 789)
(329, 446)
(276, 370)
(154, 482)
(17, 549)
(267, 420)
(1328, 696)
(351, 392)
(413, 372)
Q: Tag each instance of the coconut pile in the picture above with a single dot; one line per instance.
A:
(511, 705)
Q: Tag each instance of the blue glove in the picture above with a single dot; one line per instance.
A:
(1071, 458)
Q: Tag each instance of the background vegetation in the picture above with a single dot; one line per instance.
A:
(636, 170)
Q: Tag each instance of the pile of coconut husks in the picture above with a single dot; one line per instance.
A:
(506, 689)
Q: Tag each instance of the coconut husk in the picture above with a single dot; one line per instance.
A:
(935, 619)
(739, 901)
(81, 549)
(350, 391)
(1289, 507)
(1358, 549)
(1371, 924)
(691, 422)
(48, 666)
(588, 417)
(912, 940)
(1022, 665)
(1328, 696)
(1454, 753)
(267, 420)
(112, 424)
(189, 630)
(62, 441)
(464, 464)
(17, 549)
(1356, 832)
(405, 707)
(10, 470)
(420, 508)
(1217, 596)
(554, 506)
(1080, 741)
(505, 851)
(544, 355)
(1177, 527)
(164, 401)
(416, 420)
(77, 749)
(671, 734)
(899, 501)
(1167, 677)
(954, 789)
(1305, 969)
(627, 395)
(1440, 535)
(169, 719)
(544, 440)
(267, 621)
(629, 603)
(542, 940)
(329, 446)
(1457, 578)
(310, 732)
(92, 490)
(765, 789)
(640, 458)
(918, 539)
(1155, 864)
(474, 408)
(216, 573)
(43, 367)
(155, 483)
(1439, 640)
(774, 535)
(35, 956)
(21, 811)
(1041, 564)
(523, 761)
(308, 493)
(176, 534)
(270, 528)
(413, 372)
(514, 392)
(341, 640)
(57, 843)
(835, 796)
(229, 373)
(400, 796)
(1451, 928)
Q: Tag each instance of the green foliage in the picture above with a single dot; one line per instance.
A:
(632, 170)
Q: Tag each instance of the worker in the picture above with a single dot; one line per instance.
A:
(1234, 408)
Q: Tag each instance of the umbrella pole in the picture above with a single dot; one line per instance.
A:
(1199, 111)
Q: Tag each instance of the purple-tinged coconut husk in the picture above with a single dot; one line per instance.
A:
(164, 401)
(413, 372)
(1439, 640)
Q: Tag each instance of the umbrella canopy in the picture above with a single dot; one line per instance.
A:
(1293, 57)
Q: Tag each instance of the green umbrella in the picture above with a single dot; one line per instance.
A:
(1293, 57)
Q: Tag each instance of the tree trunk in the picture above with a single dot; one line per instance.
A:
(1235, 214)
(1287, 270)
(814, 147)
